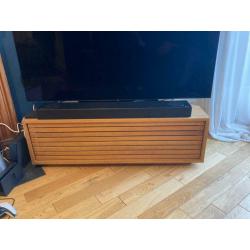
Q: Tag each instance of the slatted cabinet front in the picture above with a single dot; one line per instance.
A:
(116, 141)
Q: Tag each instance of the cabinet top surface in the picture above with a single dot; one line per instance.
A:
(197, 113)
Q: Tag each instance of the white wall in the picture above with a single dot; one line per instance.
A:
(203, 102)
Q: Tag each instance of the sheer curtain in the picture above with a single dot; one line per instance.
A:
(230, 101)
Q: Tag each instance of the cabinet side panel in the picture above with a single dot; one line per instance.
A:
(29, 143)
(204, 140)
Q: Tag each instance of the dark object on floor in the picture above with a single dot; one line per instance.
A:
(17, 175)
(3, 167)
(11, 178)
(31, 172)
(16, 153)
(17, 150)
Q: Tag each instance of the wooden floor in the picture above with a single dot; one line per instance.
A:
(218, 188)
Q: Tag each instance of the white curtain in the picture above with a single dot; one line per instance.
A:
(230, 101)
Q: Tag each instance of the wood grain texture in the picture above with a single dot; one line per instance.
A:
(137, 207)
(173, 191)
(211, 212)
(121, 161)
(7, 110)
(232, 197)
(103, 128)
(116, 133)
(219, 187)
(178, 214)
(184, 197)
(118, 141)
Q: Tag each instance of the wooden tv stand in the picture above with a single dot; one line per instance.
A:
(118, 141)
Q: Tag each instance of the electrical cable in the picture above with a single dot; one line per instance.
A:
(12, 130)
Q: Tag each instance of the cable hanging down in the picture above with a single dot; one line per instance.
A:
(12, 130)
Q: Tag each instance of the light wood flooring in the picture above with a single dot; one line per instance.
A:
(218, 188)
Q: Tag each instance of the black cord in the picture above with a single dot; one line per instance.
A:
(9, 198)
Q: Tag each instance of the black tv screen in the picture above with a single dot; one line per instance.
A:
(64, 66)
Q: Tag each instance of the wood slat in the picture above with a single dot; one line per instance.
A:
(112, 148)
(119, 138)
(113, 129)
(198, 115)
(114, 157)
(118, 152)
(132, 123)
(116, 143)
(114, 161)
(128, 133)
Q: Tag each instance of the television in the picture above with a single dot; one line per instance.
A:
(116, 65)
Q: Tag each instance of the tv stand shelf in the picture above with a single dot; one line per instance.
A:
(118, 141)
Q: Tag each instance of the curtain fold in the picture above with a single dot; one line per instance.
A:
(230, 100)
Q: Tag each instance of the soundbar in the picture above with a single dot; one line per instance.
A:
(94, 110)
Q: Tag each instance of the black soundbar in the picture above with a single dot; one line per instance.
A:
(133, 109)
